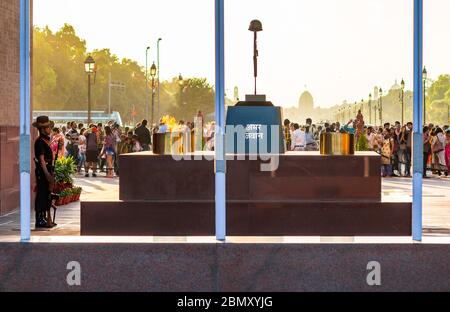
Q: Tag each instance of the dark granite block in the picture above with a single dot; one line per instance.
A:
(144, 218)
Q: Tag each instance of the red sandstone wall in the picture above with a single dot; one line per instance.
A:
(9, 104)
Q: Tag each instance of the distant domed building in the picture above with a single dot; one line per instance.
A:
(306, 102)
(306, 105)
(305, 109)
(395, 86)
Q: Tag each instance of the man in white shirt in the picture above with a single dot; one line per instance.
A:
(371, 137)
(298, 139)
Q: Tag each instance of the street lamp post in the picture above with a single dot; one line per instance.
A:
(370, 108)
(146, 83)
(153, 70)
(381, 106)
(113, 85)
(181, 84)
(89, 68)
(424, 77)
(402, 99)
(158, 66)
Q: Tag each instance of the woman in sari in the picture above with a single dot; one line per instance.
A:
(447, 150)
(438, 147)
(57, 143)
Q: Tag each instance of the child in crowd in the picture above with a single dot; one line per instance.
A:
(387, 148)
(136, 146)
(82, 150)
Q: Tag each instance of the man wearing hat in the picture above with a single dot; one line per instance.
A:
(43, 157)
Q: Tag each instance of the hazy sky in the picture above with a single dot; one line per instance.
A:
(338, 49)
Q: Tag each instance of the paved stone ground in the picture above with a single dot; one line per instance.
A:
(436, 199)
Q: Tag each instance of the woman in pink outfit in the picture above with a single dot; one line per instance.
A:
(57, 143)
(447, 149)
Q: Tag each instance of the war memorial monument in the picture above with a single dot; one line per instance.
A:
(270, 192)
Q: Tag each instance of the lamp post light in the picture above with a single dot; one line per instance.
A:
(89, 68)
(181, 84)
(381, 106)
(146, 83)
(113, 85)
(402, 99)
(158, 66)
(424, 77)
(375, 112)
(370, 108)
(153, 71)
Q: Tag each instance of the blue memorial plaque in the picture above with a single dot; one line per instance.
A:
(254, 128)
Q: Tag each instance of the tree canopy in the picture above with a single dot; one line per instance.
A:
(60, 83)
(438, 101)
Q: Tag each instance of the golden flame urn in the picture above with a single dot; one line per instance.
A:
(173, 143)
(335, 143)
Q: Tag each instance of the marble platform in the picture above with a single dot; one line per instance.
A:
(308, 195)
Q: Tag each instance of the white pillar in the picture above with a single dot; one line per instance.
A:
(417, 150)
(24, 149)
(220, 161)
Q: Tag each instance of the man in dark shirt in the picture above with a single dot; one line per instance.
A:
(44, 172)
(73, 145)
(143, 135)
(409, 132)
(91, 150)
(287, 133)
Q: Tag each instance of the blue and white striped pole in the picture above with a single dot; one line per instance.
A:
(220, 161)
(24, 149)
(417, 121)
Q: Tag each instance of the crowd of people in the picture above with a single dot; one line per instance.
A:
(96, 147)
(392, 141)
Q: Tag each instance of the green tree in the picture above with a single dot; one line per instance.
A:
(196, 95)
(60, 83)
(438, 101)
(44, 76)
